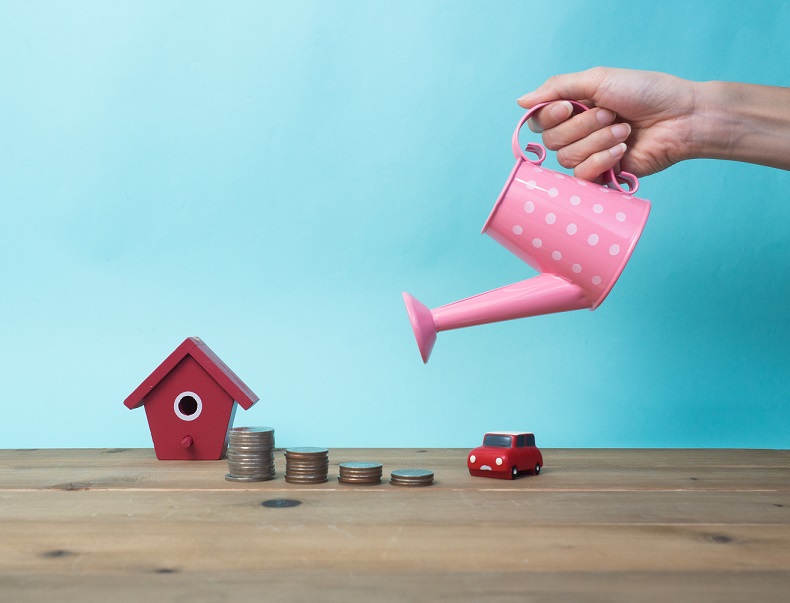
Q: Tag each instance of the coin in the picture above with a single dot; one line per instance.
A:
(306, 465)
(359, 473)
(250, 454)
(411, 477)
(242, 478)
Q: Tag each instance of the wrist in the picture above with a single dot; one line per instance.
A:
(741, 122)
(712, 121)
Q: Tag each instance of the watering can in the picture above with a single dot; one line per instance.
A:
(578, 235)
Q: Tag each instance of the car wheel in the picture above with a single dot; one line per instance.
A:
(513, 472)
(537, 469)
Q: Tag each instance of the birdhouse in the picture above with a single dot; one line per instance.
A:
(190, 400)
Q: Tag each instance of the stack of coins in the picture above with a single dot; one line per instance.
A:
(306, 465)
(250, 454)
(360, 473)
(411, 477)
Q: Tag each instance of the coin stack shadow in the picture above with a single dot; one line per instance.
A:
(411, 477)
(250, 454)
(306, 465)
(360, 473)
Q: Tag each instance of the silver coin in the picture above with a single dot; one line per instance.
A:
(249, 470)
(305, 480)
(411, 477)
(243, 478)
(242, 430)
(308, 465)
(360, 466)
(350, 480)
(360, 471)
(309, 451)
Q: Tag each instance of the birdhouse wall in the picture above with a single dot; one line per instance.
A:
(189, 403)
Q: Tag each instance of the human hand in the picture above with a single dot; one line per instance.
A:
(641, 120)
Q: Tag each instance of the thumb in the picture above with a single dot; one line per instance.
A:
(582, 85)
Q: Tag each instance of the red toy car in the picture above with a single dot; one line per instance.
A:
(505, 454)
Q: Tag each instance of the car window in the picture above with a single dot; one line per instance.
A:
(530, 439)
(520, 441)
(500, 441)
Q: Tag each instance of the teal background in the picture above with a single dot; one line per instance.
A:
(270, 177)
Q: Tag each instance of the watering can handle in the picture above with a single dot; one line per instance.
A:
(538, 149)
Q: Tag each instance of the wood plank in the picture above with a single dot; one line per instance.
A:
(610, 525)
(590, 469)
(329, 586)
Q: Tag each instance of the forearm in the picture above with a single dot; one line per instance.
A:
(742, 122)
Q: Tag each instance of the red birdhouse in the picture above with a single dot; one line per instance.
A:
(190, 400)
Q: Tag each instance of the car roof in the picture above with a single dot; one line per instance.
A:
(509, 433)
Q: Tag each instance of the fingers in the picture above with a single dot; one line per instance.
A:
(597, 163)
(550, 116)
(562, 133)
(583, 84)
(572, 154)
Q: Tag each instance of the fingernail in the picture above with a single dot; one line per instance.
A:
(618, 150)
(561, 110)
(621, 131)
(605, 117)
(524, 100)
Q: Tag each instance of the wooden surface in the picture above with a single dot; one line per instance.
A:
(596, 525)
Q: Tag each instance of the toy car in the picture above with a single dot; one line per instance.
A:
(505, 454)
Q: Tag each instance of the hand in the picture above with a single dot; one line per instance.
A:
(641, 120)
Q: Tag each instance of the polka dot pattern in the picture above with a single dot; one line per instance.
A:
(569, 227)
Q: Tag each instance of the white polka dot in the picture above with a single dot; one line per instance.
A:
(581, 182)
(559, 176)
(537, 169)
(530, 184)
(556, 256)
(614, 249)
(593, 239)
(553, 192)
(625, 196)
(576, 268)
(605, 189)
(550, 218)
(596, 280)
(537, 243)
(529, 207)
(571, 229)
(597, 208)
(575, 200)
(517, 229)
(620, 216)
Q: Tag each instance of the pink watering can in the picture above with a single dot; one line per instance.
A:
(577, 234)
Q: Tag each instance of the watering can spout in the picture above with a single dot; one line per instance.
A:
(542, 294)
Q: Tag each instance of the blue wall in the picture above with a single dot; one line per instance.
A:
(271, 176)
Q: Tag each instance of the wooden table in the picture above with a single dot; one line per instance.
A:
(596, 525)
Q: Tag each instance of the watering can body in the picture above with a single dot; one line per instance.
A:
(578, 235)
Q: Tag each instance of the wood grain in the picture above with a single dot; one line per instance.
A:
(608, 525)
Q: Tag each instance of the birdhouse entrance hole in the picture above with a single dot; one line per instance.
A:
(188, 406)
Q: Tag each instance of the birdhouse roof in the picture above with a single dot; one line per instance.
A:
(209, 362)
